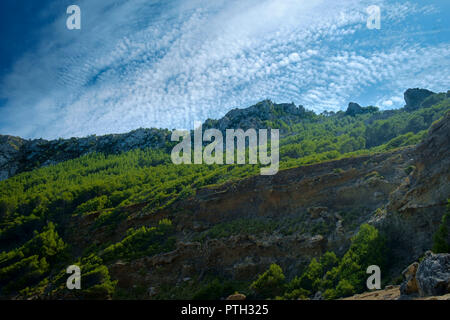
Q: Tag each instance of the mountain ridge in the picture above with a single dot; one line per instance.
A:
(19, 155)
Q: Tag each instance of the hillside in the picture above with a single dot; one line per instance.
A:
(141, 227)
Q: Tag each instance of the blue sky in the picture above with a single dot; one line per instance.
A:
(141, 63)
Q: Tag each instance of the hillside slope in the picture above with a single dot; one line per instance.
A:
(141, 227)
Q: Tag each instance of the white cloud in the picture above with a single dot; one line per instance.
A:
(137, 65)
(387, 103)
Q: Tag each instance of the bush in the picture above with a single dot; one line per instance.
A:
(29, 263)
(214, 290)
(142, 242)
(345, 288)
(296, 294)
(441, 239)
(368, 248)
(92, 205)
(310, 280)
(342, 277)
(270, 283)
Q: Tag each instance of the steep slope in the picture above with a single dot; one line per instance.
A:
(415, 208)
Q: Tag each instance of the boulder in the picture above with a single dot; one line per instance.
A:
(236, 296)
(409, 285)
(433, 275)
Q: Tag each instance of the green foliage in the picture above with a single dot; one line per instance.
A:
(95, 204)
(330, 275)
(270, 283)
(367, 248)
(401, 122)
(95, 279)
(214, 290)
(441, 239)
(27, 264)
(96, 283)
(312, 279)
(295, 294)
(142, 242)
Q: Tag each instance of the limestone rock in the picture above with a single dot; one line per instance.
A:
(433, 275)
(236, 296)
(415, 97)
(409, 285)
(353, 109)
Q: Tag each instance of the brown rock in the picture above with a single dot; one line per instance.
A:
(409, 286)
(236, 296)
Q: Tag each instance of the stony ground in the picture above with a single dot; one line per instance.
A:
(392, 293)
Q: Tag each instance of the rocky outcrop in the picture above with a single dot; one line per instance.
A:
(240, 257)
(429, 279)
(256, 115)
(415, 97)
(315, 209)
(353, 109)
(9, 155)
(433, 275)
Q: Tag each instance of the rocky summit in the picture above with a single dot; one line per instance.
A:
(415, 97)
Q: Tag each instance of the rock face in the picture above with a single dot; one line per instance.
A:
(353, 109)
(433, 275)
(9, 154)
(415, 97)
(414, 210)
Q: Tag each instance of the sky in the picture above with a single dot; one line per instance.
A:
(168, 63)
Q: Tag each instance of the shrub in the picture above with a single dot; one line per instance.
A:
(270, 283)
(141, 242)
(368, 248)
(345, 288)
(441, 239)
(214, 290)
